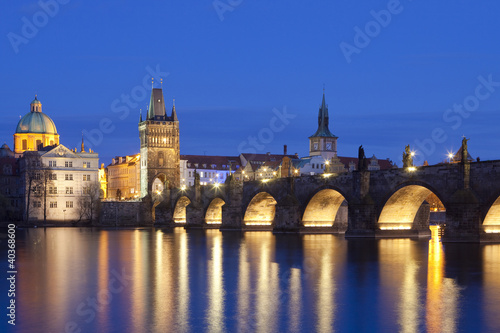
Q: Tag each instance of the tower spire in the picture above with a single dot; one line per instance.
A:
(140, 115)
(174, 114)
(323, 120)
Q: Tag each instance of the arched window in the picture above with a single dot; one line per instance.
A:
(25, 144)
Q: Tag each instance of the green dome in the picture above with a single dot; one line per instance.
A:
(36, 101)
(36, 122)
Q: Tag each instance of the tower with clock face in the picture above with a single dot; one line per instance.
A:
(323, 142)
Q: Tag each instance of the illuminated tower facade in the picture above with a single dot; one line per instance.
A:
(160, 154)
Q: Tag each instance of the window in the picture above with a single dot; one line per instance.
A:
(39, 144)
(68, 164)
(37, 190)
(53, 204)
(68, 176)
(86, 190)
(52, 176)
(189, 173)
(69, 190)
(37, 204)
(86, 165)
(25, 144)
(69, 204)
(86, 177)
(52, 190)
(52, 164)
(201, 174)
(37, 176)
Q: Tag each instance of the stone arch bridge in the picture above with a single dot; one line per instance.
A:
(384, 203)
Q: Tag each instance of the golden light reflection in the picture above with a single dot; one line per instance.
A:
(398, 273)
(325, 306)
(216, 293)
(103, 277)
(442, 293)
(139, 283)
(491, 282)
(295, 306)
(244, 287)
(183, 292)
(162, 277)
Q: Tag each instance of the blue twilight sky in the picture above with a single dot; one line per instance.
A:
(248, 75)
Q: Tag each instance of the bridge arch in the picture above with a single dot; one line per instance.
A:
(323, 208)
(261, 210)
(400, 209)
(213, 213)
(180, 209)
(491, 222)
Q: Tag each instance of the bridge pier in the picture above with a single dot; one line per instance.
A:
(362, 220)
(232, 212)
(463, 218)
(287, 217)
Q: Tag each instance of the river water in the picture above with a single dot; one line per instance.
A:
(151, 280)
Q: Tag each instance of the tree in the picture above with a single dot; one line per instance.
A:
(46, 176)
(37, 178)
(89, 203)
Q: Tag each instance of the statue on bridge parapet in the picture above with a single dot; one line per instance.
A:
(407, 157)
(465, 153)
(362, 162)
(196, 178)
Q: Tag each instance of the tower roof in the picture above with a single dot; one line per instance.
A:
(323, 120)
(156, 104)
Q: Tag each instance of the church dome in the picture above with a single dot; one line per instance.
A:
(36, 121)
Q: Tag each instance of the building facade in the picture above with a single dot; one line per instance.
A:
(160, 151)
(123, 177)
(53, 182)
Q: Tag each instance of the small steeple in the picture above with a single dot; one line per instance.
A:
(83, 146)
(174, 114)
(140, 115)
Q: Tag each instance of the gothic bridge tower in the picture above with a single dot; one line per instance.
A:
(160, 156)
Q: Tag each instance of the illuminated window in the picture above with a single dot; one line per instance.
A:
(69, 190)
(25, 144)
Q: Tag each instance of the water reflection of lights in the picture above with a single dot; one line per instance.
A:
(216, 294)
(183, 282)
(442, 293)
